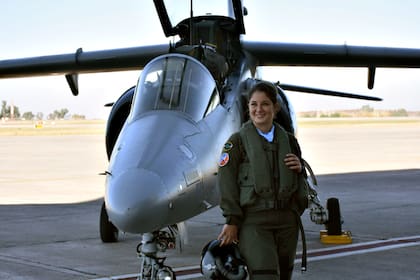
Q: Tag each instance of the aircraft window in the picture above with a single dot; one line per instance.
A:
(214, 101)
(176, 82)
(171, 85)
(179, 10)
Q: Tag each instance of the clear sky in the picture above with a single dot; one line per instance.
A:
(44, 27)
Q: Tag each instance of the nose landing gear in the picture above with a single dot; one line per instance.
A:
(151, 265)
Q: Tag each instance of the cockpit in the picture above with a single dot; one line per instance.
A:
(175, 82)
(179, 10)
(196, 21)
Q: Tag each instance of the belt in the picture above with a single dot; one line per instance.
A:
(263, 204)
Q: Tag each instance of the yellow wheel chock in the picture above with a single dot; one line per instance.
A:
(344, 238)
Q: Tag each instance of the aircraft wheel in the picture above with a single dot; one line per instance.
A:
(166, 272)
(109, 233)
(334, 217)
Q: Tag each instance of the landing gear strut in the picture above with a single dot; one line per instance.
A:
(333, 234)
(151, 265)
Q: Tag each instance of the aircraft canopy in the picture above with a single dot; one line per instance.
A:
(174, 14)
(179, 10)
(175, 82)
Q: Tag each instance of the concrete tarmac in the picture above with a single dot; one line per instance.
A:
(51, 197)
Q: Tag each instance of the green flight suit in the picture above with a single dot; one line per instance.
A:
(268, 224)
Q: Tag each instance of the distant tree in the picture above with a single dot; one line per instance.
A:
(367, 109)
(308, 115)
(58, 114)
(39, 116)
(78, 117)
(16, 112)
(28, 116)
(399, 113)
(62, 113)
(6, 111)
(3, 109)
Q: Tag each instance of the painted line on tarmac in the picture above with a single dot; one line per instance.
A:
(193, 272)
(361, 248)
(35, 263)
(182, 273)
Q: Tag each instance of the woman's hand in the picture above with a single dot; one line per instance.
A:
(228, 235)
(293, 163)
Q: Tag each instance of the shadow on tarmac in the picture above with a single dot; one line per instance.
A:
(63, 239)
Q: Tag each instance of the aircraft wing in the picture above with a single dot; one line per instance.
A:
(265, 53)
(292, 54)
(82, 62)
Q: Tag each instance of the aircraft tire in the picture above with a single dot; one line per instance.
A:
(334, 217)
(108, 232)
(169, 269)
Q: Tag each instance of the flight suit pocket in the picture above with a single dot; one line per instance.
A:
(247, 195)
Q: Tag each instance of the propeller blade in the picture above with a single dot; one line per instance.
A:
(327, 92)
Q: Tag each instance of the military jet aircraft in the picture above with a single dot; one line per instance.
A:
(164, 135)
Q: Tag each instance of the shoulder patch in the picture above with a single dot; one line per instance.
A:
(224, 159)
(228, 146)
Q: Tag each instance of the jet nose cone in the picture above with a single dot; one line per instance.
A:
(133, 200)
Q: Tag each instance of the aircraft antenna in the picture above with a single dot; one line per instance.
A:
(191, 23)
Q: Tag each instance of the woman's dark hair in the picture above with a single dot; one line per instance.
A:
(268, 88)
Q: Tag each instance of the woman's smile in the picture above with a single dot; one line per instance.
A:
(262, 111)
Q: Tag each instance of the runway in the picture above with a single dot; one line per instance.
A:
(51, 197)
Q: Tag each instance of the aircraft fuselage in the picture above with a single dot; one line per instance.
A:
(163, 167)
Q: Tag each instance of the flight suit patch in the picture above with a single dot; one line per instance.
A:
(224, 159)
(227, 147)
